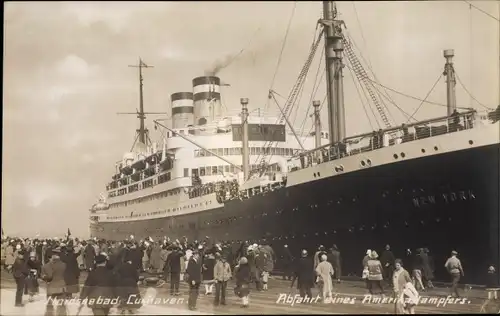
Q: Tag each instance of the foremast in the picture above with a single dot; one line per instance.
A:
(334, 47)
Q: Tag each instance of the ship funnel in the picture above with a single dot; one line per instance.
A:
(182, 109)
(206, 96)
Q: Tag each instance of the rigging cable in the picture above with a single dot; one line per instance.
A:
(386, 95)
(315, 88)
(413, 97)
(369, 64)
(482, 11)
(423, 101)
(470, 94)
(291, 99)
(283, 44)
(363, 103)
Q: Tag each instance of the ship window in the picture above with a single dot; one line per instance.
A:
(403, 155)
(226, 168)
(197, 153)
(220, 151)
(232, 151)
(214, 170)
(232, 169)
(208, 171)
(202, 171)
(220, 169)
(436, 148)
(252, 150)
(395, 156)
(226, 151)
(471, 142)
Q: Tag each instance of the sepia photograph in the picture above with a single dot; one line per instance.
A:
(250, 157)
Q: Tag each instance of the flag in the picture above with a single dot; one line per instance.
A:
(69, 232)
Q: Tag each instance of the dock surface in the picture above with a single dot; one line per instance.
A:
(350, 298)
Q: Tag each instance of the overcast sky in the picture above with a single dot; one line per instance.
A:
(66, 75)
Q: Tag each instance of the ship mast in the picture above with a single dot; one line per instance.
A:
(317, 124)
(333, 55)
(449, 72)
(142, 132)
(244, 128)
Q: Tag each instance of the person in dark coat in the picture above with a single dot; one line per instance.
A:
(427, 273)
(387, 260)
(35, 268)
(89, 254)
(53, 274)
(72, 273)
(127, 276)
(304, 274)
(335, 260)
(428, 268)
(287, 261)
(193, 272)
(99, 288)
(20, 272)
(136, 256)
(173, 266)
(243, 275)
(208, 273)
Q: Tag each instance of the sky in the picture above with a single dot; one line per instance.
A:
(66, 77)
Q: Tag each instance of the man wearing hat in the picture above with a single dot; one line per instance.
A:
(193, 272)
(304, 274)
(53, 274)
(99, 288)
(222, 274)
(454, 267)
(20, 272)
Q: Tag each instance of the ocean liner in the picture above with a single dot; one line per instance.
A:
(250, 176)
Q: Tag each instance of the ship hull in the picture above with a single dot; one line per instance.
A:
(444, 202)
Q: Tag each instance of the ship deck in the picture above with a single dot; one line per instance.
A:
(353, 292)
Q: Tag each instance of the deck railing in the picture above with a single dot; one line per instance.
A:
(367, 142)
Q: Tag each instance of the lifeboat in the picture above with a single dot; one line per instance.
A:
(139, 165)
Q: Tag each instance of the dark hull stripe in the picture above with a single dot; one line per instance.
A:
(182, 109)
(206, 95)
(181, 96)
(206, 80)
(443, 202)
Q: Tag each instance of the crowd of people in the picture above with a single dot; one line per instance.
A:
(114, 270)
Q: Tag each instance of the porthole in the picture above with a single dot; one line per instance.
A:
(319, 175)
(314, 174)
(423, 151)
(403, 155)
(471, 142)
(395, 156)
(363, 163)
(436, 148)
(341, 168)
(369, 162)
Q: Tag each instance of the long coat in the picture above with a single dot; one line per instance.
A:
(72, 273)
(9, 255)
(304, 272)
(127, 278)
(334, 259)
(99, 288)
(53, 273)
(243, 277)
(155, 259)
(89, 256)
(325, 272)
